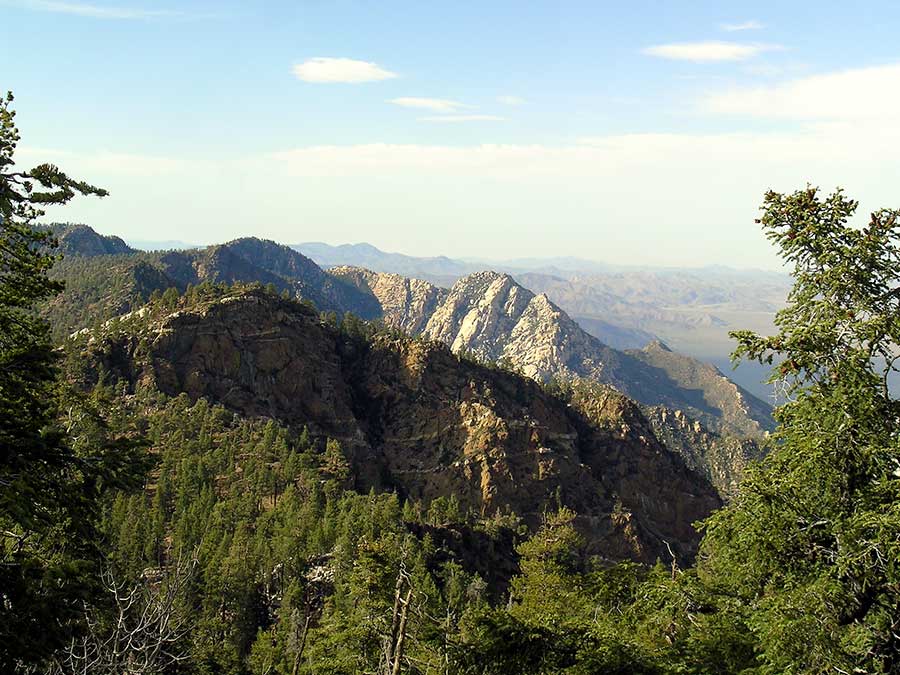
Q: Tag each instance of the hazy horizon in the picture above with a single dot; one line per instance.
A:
(155, 245)
(644, 134)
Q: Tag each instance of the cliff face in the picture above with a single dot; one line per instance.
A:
(415, 418)
(488, 314)
(404, 303)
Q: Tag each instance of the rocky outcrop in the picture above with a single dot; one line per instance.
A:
(722, 459)
(741, 413)
(81, 240)
(415, 418)
(404, 303)
(489, 315)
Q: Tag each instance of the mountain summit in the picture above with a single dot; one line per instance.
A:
(491, 316)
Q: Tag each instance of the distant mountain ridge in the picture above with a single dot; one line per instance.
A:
(488, 314)
(492, 316)
(105, 277)
(626, 307)
(437, 269)
(81, 240)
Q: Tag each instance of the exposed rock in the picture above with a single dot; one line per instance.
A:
(491, 316)
(413, 417)
(485, 314)
(405, 303)
(722, 459)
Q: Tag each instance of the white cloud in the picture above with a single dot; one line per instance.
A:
(434, 104)
(701, 155)
(744, 25)
(858, 95)
(462, 118)
(657, 198)
(327, 69)
(511, 100)
(97, 11)
(662, 198)
(111, 162)
(709, 51)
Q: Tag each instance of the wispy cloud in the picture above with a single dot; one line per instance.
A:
(324, 69)
(463, 118)
(97, 11)
(511, 100)
(709, 51)
(435, 104)
(856, 95)
(744, 25)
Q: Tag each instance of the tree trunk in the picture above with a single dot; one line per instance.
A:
(401, 633)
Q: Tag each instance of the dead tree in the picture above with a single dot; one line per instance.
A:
(395, 641)
(142, 633)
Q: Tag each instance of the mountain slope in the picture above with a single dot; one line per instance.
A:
(626, 307)
(82, 240)
(491, 316)
(104, 277)
(720, 458)
(250, 259)
(745, 413)
(437, 269)
(414, 418)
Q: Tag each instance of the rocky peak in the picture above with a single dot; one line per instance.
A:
(657, 345)
(479, 313)
(489, 314)
(81, 240)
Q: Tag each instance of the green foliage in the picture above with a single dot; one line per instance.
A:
(47, 491)
(799, 573)
(295, 573)
(807, 552)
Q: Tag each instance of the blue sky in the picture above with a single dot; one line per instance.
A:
(642, 132)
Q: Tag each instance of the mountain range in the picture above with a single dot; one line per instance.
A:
(490, 315)
(487, 315)
(626, 307)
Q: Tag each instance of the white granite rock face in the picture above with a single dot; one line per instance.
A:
(489, 315)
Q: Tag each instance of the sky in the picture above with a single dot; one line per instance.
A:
(632, 133)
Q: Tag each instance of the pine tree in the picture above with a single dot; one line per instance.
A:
(806, 556)
(46, 493)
